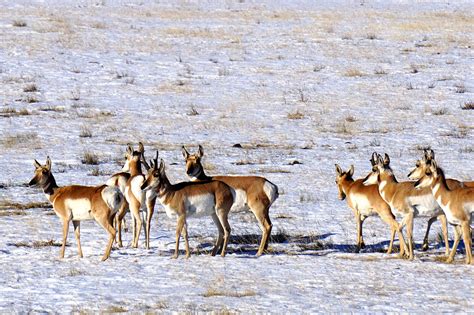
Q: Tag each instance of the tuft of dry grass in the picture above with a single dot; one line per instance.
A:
(295, 115)
(7, 204)
(439, 112)
(12, 112)
(90, 158)
(217, 292)
(19, 23)
(27, 138)
(30, 88)
(353, 73)
(350, 118)
(467, 105)
(37, 244)
(460, 88)
(50, 108)
(193, 111)
(31, 99)
(85, 132)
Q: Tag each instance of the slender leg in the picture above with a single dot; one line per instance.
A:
(179, 228)
(135, 212)
(65, 231)
(359, 230)
(387, 217)
(444, 228)
(220, 237)
(260, 210)
(362, 219)
(150, 207)
(107, 223)
(77, 233)
(457, 238)
(269, 225)
(119, 221)
(222, 214)
(186, 241)
(410, 236)
(466, 232)
(425, 239)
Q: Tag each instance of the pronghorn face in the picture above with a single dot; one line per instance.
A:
(418, 171)
(42, 173)
(421, 165)
(341, 177)
(193, 162)
(429, 176)
(155, 175)
(132, 156)
(380, 169)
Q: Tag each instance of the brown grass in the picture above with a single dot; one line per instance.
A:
(353, 73)
(295, 115)
(468, 105)
(38, 244)
(7, 204)
(90, 158)
(12, 112)
(217, 292)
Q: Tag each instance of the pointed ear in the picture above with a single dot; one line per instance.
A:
(431, 154)
(351, 171)
(36, 164)
(162, 167)
(185, 152)
(129, 149)
(338, 170)
(374, 159)
(141, 148)
(200, 152)
(386, 160)
(48, 163)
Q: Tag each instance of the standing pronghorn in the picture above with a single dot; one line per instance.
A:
(419, 170)
(134, 195)
(120, 181)
(457, 204)
(78, 203)
(185, 199)
(365, 201)
(404, 199)
(250, 192)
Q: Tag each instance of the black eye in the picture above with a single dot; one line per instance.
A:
(417, 164)
(428, 173)
(156, 174)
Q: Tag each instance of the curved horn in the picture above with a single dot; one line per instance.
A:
(141, 148)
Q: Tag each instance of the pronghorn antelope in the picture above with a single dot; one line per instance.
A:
(250, 192)
(134, 195)
(78, 203)
(365, 201)
(120, 181)
(404, 199)
(185, 199)
(457, 204)
(419, 170)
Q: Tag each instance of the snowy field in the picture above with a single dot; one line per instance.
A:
(299, 85)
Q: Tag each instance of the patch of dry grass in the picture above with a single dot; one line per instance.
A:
(7, 204)
(219, 292)
(12, 112)
(353, 73)
(295, 115)
(37, 244)
(90, 158)
(468, 105)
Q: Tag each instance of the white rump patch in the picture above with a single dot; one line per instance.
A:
(80, 209)
(271, 191)
(113, 198)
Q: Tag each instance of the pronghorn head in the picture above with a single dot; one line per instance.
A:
(421, 165)
(155, 175)
(193, 162)
(42, 173)
(430, 175)
(380, 167)
(342, 176)
(133, 157)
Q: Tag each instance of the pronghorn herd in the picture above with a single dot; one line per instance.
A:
(430, 195)
(133, 190)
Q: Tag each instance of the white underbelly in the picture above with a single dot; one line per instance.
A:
(80, 209)
(240, 200)
(200, 205)
(425, 206)
(363, 204)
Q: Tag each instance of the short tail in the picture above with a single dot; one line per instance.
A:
(113, 198)
(271, 190)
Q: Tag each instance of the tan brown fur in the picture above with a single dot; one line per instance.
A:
(400, 196)
(257, 200)
(458, 204)
(60, 197)
(177, 200)
(364, 202)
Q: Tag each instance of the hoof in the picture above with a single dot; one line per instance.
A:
(425, 247)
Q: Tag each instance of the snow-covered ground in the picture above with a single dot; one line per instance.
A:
(318, 83)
